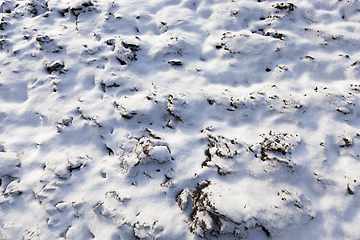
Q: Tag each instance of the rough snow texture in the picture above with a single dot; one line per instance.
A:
(179, 119)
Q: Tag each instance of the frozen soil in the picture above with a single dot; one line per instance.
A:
(179, 119)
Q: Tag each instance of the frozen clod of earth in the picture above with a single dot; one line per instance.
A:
(46, 43)
(175, 62)
(159, 153)
(55, 66)
(140, 155)
(37, 7)
(182, 199)
(219, 210)
(141, 231)
(276, 147)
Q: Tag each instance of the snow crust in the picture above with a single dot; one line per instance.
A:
(179, 119)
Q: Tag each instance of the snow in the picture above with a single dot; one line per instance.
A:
(179, 119)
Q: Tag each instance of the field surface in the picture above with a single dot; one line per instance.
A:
(179, 119)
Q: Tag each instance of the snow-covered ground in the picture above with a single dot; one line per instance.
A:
(179, 119)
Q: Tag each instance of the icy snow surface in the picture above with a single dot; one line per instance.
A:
(179, 119)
